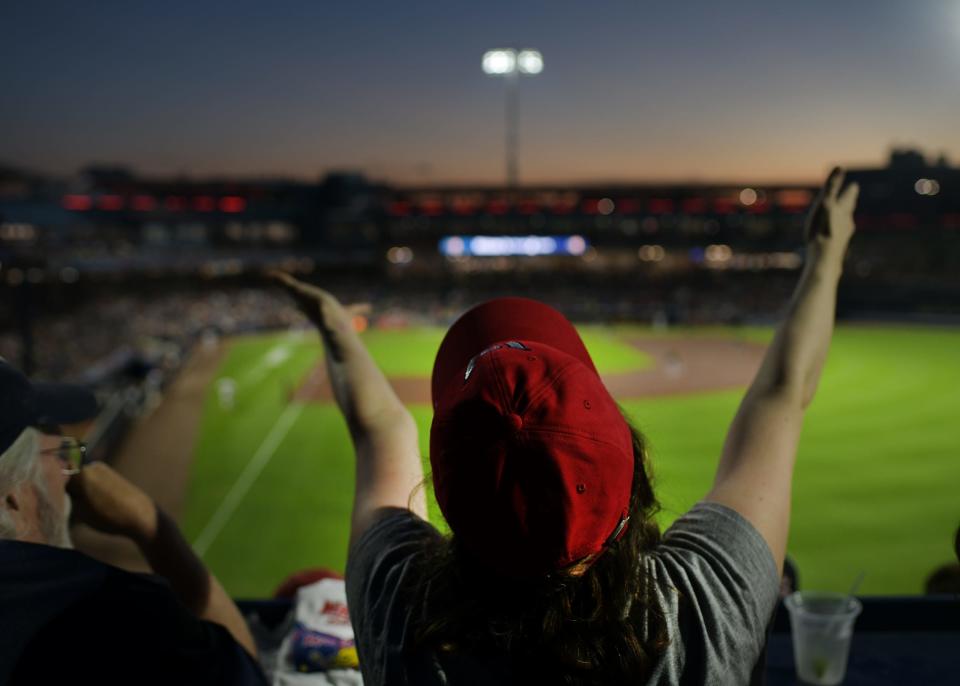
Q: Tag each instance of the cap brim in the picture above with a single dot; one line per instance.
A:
(503, 319)
(56, 403)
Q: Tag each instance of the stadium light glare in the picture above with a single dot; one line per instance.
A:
(497, 62)
(576, 245)
(530, 62)
(718, 253)
(400, 254)
(455, 246)
(651, 253)
(926, 187)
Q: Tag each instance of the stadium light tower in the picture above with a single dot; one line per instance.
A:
(510, 64)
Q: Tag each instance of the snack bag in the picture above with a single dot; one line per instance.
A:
(322, 636)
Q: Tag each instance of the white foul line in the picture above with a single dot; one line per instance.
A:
(246, 479)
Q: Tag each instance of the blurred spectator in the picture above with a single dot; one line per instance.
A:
(69, 618)
(944, 579)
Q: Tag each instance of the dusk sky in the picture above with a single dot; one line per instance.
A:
(702, 90)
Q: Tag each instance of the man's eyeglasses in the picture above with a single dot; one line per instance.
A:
(72, 453)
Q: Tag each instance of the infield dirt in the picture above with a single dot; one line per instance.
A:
(681, 366)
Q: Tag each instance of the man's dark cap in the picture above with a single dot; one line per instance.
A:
(25, 404)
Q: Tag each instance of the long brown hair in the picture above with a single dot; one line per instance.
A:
(601, 626)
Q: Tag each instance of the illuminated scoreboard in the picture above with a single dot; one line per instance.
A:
(524, 246)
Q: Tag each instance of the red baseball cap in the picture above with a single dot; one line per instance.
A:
(532, 460)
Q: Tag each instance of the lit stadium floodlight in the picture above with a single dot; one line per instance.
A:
(497, 62)
(510, 64)
(530, 62)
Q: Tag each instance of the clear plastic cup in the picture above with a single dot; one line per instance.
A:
(822, 626)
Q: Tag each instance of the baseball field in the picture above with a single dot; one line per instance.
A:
(877, 486)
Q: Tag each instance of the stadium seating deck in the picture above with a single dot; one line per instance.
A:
(898, 640)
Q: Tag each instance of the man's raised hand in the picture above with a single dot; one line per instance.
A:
(107, 502)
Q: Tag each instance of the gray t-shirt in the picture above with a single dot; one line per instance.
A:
(711, 556)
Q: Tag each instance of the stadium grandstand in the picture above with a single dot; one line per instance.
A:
(718, 253)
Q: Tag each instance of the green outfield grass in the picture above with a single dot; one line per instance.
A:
(876, 482)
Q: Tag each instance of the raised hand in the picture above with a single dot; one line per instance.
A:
(384, 434)
(359, 387)
(830, 221)
(107, 502)
(332, 319)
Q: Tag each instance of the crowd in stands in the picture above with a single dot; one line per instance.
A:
(77, 341)
(156, 329)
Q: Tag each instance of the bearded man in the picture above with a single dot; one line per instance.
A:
(67, 617)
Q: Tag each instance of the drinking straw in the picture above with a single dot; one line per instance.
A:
(846, 601)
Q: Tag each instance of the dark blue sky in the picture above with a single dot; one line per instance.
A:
(630, 90)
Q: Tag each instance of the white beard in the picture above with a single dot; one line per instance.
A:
(53, 524)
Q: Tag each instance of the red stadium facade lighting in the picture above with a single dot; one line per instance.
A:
(77, 203)
(793, 200)
(232, 204)
(462, 205)
(528, 206)
(110, 203)
(661, 206)
(590, 206)
(143, 203)
(724, 205)
(497, 206)
(399, 208)
(204, 203)
(431, 207)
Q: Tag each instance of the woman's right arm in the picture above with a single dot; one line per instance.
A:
(755, 473)
(384, 434)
